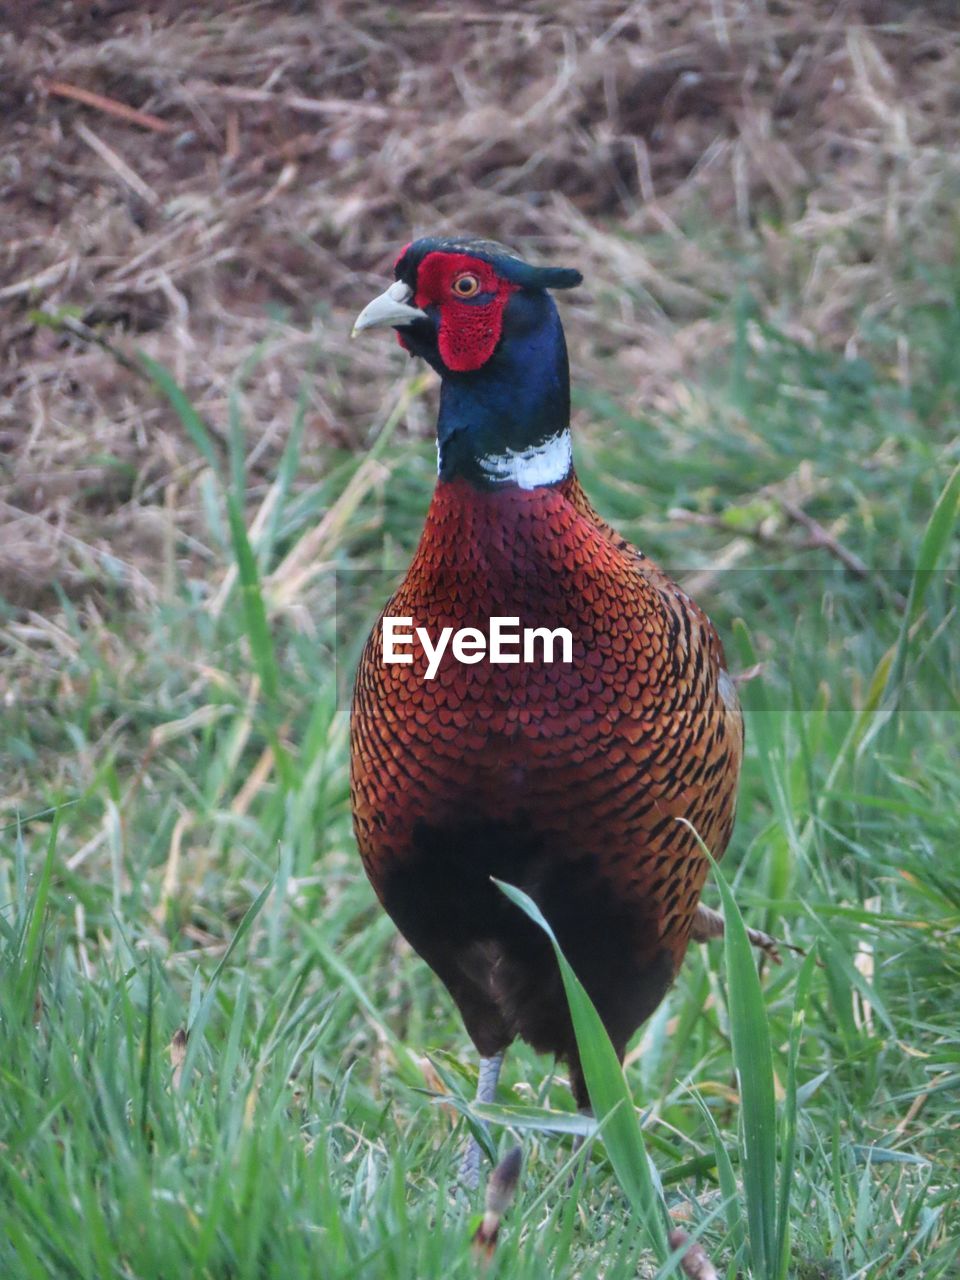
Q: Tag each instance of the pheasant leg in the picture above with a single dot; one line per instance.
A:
(487, 1079)
(708, 924)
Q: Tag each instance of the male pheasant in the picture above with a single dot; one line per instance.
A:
(566, 778)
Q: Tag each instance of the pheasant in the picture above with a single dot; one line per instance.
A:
(566, 777)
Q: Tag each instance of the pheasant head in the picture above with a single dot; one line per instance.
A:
(484, 319)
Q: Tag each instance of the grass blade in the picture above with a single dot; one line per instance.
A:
(538, 1119)
(29, 976)
(609, 1095)
(753, 1062)
(763, 721)
(255, 615)
(936, 537)
(286, 473)
(732, 1205)
(933, 544)
(193, 424)
(146, 1063)
(199, 1022)
(788, 1122)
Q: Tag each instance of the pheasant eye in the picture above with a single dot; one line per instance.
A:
(466, 286)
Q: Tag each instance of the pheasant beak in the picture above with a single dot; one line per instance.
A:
(390, 308)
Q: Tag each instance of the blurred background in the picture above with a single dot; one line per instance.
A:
(205, 487)
(802, 158)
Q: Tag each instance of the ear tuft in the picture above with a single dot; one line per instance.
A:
(561, 277)
(530, 277)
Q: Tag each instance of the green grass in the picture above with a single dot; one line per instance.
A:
(180, 856)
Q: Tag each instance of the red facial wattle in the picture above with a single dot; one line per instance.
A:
(469, 328)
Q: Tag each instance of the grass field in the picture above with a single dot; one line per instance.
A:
(187, 863)
(176, 853)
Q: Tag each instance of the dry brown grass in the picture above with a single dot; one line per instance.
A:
(666, 149)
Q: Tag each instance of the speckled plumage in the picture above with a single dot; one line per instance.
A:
(566, 779)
